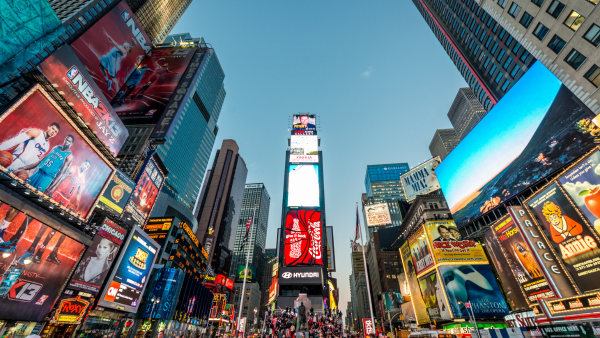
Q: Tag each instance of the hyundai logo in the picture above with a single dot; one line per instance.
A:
(286, 275)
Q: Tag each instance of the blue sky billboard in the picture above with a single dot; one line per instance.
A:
(537, 128)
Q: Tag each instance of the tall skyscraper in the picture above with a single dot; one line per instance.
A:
(444, 140)
(466, 111)
(220, 206)
(480, 48)
(158, 17)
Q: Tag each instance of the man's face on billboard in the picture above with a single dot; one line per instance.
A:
(304, 120)
(444, 233)
(68, 142)
(52, 131)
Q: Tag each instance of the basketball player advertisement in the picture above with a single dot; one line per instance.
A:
(147, 189)
(113, 48)
(303, 236)
(45, 257)
(150, 87)
(76, 85)
(41, 147)
(117, 193)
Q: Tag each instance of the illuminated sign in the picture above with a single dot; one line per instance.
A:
(193, 237)
(304, 149)
(576, 303)
(377, 214)
(303, 236)
(70, 311)
(304, 124)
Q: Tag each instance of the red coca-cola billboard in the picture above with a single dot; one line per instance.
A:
(303, 234)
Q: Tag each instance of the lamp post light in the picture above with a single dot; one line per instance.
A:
(154, 302)
(468, 307)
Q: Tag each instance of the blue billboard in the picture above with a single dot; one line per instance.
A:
(166, 285)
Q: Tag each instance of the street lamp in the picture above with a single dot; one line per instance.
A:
(255, 318)
(468, 306)
(154, 302)
(391, 319)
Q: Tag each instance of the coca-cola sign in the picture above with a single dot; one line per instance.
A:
(303, 238)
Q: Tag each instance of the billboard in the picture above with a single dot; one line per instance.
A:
(112, 48)
(70, 78)
(150, 87)
(251, 276)
(475, 284)
(303, 186)
(569, 235)
(42, 146)
(419, 249)
(148, 186)
(449, 246)
(377, 214)
(40, 260)
(117, 193)
(70, 311)
(158, 229)
(165, 286)
(433, 296)
(131, 273)
(411, 277)
(305, 124)
(421, 180)
(98, 259)
(304, 148)
(534, 130)
(392, 300)
(330, 250)
(303, 235)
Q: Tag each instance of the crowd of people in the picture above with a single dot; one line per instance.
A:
(286, 323)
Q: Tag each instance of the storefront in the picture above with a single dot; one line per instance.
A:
(102, 324)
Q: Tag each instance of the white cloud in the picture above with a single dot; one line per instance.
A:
(597, 170)
(367, 73)
(574, 189)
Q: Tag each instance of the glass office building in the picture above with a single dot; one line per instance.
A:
(382, 182)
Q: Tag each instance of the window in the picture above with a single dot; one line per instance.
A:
(509, 41)
(103, 3)
(481, 56)
(538, 3)
(502, 34)
(514, 10)
(493, 69)
(556, 44)
(526, 20)
(540, 31)
(71, 30)
(555, 8)
(499, 77)
(500, 55)
(93, 11)
(502, 3)
(593, 75)
(477, 30)
(505, 86)
(517, 48)
(76, 25)
(515, 72)
(593, 35)
(487, 63)
(495, 48)
(575, 59)
(487, 43)
(476, 50)
(574, 20)
(508, 63)
(82, 20)
(482, 37)
(98, 8)
(471, 44)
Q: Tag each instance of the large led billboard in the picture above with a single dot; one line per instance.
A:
(64, 70)
(250, 274)
(377, 214)
(421, 180)
(304, 124)
(304, 148)
(42, 146)
(303, 186)
(112, 48)
(40, 260)
(449, 246)
(534, 130)
(131, 273)
(303, 237)
(117, 193)
(148, 186)
(158, 229)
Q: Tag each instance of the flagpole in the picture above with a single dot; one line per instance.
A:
(366, 272)
(246, 271)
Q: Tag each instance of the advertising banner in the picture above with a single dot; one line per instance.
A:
(512, 288)
(117, 193)
(112, 48)
(377, 214)
(392, 300)
(304, 148)
(148, 186)
(41, 260)
(568, 331)
(300, 275)
(273, 289)
(131, 273)
(303, 186)
(41, 145)
(448, 245)
(411, 276)
(330, 250)
(305, 124)
(575, 243)
(422, 258)
(165, 285)
(521, 260)
(76, 85)
(303, 236)
(475, 284)
(421, 180)
(568, 306)
(533, 131)
(251, 274)
(158, 229)
(368, 327)
(433, 296)
(70, 311)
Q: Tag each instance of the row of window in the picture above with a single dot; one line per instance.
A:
(87, 16)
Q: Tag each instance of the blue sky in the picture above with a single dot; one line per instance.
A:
(373, 72)
(500, 137)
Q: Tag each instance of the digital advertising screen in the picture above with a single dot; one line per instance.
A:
(421, 255)
(377, 214)
(303, 186)
(131, 273)
(43, 260)
(533, 131)
(303, 236)
(158, 229)
(117, 193)
(148, 187)
(433, 296)
(42, 146)
(449, 246)
(304, 124)
(418, 305)
(251, 276)
(76, 85)
(113, 48)
(475, 284)
(574, 241)
(165, 285)
(421, 180)
(304, 149)
(150, 87)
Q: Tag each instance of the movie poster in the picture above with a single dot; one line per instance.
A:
(148, 187)
(43, 259)
(420, 251)
(117, 193)
(40, 146)
(448, 245)
(521, 260)
(475, 284)
(433, 296)
(421, 180)
(112, 48)
(575, 243)
(582, 183)
(150, 87)
(303, 236)
(411, 276)
(511, 286)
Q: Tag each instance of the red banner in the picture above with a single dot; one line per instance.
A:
(303, 233)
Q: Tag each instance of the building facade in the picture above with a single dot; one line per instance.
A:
(443, 142)
(382, 183)
(466, 112)
(358, 289)
(250, 305)
(158, 17)
(269, 271)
